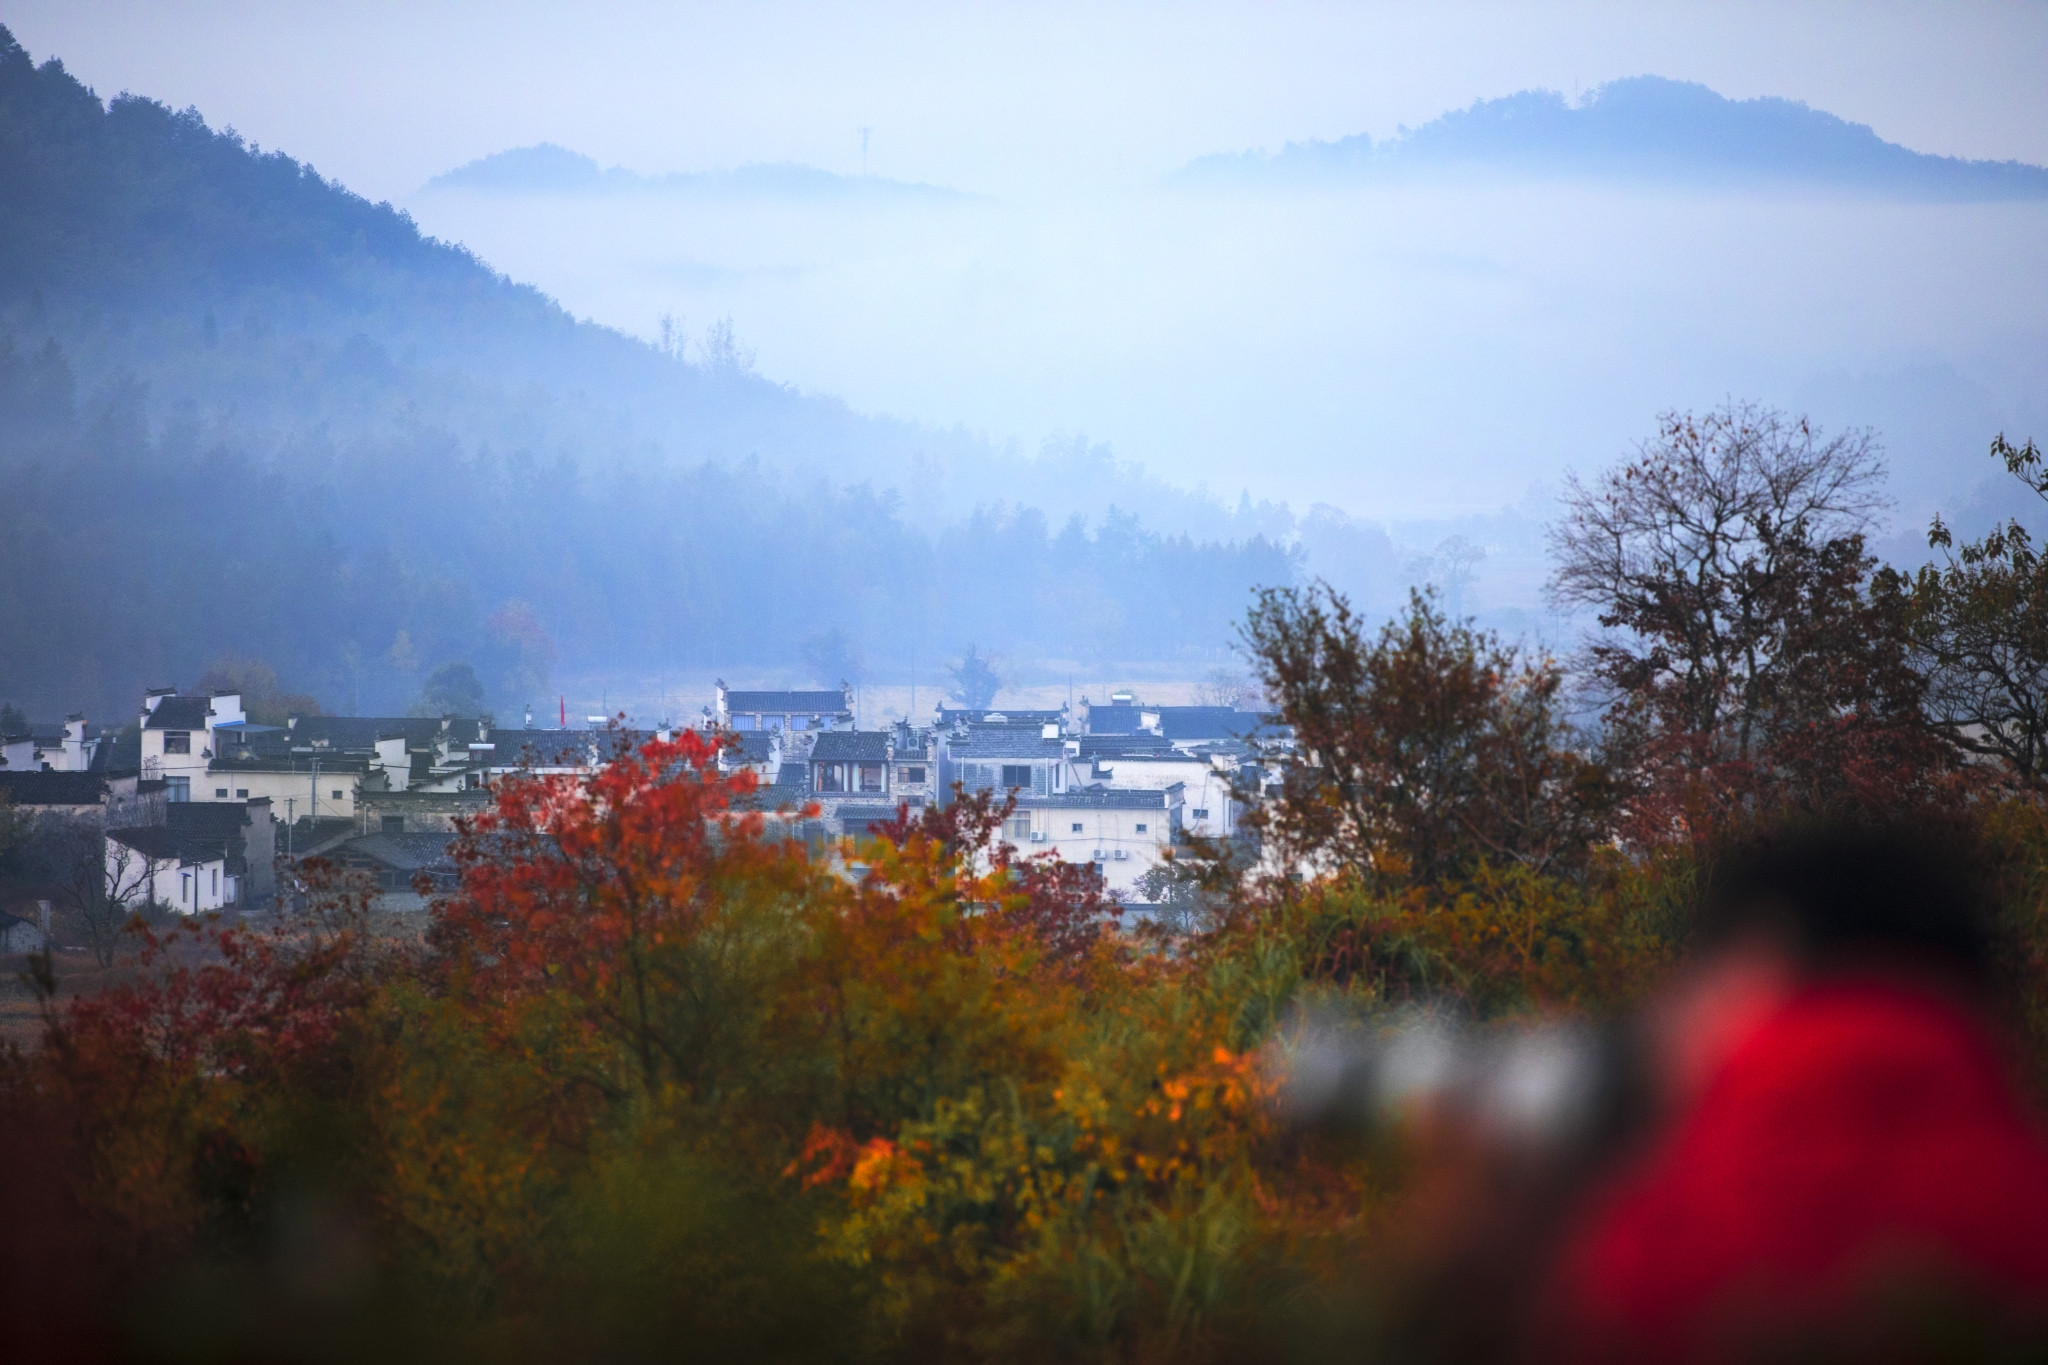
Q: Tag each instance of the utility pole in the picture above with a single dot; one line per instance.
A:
(865, 130)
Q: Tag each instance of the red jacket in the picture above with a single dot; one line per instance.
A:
(1865, 1144)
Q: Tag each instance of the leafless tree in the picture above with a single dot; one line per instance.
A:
(99, 880)
(1228, 687)
(1686, 552)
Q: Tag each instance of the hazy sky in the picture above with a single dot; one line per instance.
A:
(1002, 98)
(1395, 353)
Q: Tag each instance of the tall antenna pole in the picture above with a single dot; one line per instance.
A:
(865, 130)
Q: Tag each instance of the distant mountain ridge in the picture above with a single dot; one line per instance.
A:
(547, 168)
(245, 410)
(1643, 128)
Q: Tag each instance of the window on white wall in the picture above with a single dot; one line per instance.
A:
(177, 741)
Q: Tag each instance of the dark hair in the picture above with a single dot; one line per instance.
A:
(1848, 893)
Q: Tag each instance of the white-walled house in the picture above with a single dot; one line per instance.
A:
(1029, 759)
(204, 856)
(182, 734)
(1210, 807)
(1125, 834)
(69, 748)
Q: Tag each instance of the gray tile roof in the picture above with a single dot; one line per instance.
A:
(1208, 722)
(180, 713)
(838, 746)
(193, 832)
(404, 852)
(982, 743)
(362, 732)
(752, 746)
(331, 761)
(1095, 798)
(53, 789)
(1138, 745)
(553, 748)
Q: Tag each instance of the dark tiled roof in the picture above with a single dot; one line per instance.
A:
(53, 789)
(802, 703)
(553, 748)
(990, 742)
(851, 815)
(195, 832)
(1207, 722)
(1150, 756)
(1115, 720)
(330, 761)
(1137, 745)
(213, 827)
(362, 732)
(751, 746)
(151, 841)
(404, 852)
(1096, 798)
(121, 754)
(843, 745)
(180, 713)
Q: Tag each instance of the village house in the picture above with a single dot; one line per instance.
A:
(803, 711)
(73, 747)
(417, 812)
(62, 793)
(1210, 808)
(18, 935)
(1124, 834)
(182, 734)
(203, 856)
(1031, 760)
(395, 863)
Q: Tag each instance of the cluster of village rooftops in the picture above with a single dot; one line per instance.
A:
(198, 802)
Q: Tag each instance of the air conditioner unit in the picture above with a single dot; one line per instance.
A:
(1122, 854)
(1100, 856)
(1039, 836)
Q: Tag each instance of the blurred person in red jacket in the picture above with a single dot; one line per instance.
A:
(1845, 1166)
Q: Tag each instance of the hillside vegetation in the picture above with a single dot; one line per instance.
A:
(243, 410)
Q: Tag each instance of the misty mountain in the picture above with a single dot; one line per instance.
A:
(245, 411)
(1643, 128)
(549, 169)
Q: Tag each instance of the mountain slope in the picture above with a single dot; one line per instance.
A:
(549, 169)
(1641, 128)
(244, 411)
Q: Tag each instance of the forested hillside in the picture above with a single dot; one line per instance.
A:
(243, 410)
